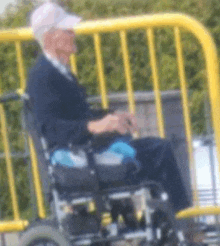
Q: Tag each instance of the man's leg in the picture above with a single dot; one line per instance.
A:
(159, 164)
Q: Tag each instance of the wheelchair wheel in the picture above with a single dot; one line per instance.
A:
(43, 235)
(169, 236)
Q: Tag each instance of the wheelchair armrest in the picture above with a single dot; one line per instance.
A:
(100, 141)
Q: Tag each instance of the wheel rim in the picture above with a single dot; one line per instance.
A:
(43, 242)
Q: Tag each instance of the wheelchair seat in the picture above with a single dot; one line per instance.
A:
(105, 169)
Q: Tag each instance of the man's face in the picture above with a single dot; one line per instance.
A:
(62, 41)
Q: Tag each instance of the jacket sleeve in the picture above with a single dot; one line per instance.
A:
(65, 131)
(47, 108)
(100, 113)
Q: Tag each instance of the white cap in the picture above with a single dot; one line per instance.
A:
(51, 15)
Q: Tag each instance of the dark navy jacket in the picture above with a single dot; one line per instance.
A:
(59, 105)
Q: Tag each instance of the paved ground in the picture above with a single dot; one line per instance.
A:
(11, 239)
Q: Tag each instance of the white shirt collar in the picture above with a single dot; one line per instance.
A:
(63, 69)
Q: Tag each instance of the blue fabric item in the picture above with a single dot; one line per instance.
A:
(123, 148)
(67, 158)
(62, 157)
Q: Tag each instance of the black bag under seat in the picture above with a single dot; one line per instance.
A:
(74, 178)
(116, 173)
(86, 178)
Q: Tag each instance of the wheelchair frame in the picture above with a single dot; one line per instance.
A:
(146, 234)
(149, 234)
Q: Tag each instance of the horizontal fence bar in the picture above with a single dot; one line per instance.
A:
(12, 226)
(117, 24)
(15, 155)
(198, 211)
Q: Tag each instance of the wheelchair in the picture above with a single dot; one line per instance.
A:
(105, 182)
(108, 188)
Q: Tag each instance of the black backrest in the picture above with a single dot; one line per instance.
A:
(31, 128)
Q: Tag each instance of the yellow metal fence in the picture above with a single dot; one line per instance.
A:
(121, 25)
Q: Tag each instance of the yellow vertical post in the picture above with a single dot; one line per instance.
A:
(186, 111)
(20, 65)
(11, 178)
(153, 62)
(37, 181)
(73, 65)
(36, 177)
(125, 53)
(100, 67)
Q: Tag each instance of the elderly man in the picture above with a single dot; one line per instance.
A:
(63, 115)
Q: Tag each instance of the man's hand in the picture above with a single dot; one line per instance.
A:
(128, 121)
(120, 122)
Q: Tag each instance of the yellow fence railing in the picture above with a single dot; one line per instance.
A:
(121, 25)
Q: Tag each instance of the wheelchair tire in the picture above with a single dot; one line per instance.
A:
(42, 235)
(169, 234)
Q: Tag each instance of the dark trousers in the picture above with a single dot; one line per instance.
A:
(159, 164)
